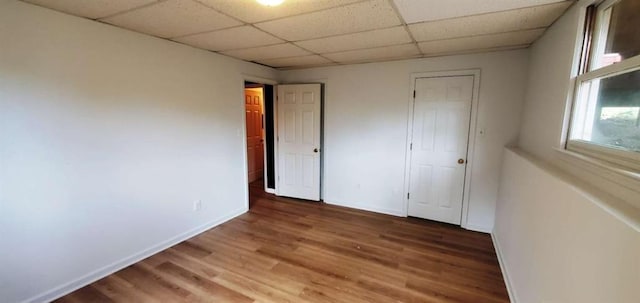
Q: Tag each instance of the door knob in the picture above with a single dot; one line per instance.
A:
(460, 161)
(315, 150)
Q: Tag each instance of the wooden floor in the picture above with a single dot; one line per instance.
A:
(285, 250)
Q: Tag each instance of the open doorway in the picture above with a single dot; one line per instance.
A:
(283, 140)
(260, 137)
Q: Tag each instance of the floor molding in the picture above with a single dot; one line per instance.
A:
(368, 208)
(478, 228)
(100, 273)
(503, 267)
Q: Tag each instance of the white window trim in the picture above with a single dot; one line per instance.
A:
(629, 160)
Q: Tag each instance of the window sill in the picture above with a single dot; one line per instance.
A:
(618, 159)
(607, 170)
(626, 210)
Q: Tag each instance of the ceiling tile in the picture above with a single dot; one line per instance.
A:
(313, 60)
(231, 38)
(371, 54)
(521, 38)
(477, 51)
(91, 9)
(368, 39)
(345, 31)
(513, 20)
(251, 12)
(428, 10)
(267, 52)
(173, 18)
(352, 18)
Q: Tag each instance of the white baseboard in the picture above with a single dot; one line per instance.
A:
(478, 228)
(100, 273)
(505, 273)
(385, 211)
(270, 190)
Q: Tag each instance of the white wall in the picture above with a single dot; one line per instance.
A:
(553, 67)
(566, 230)
(106, 139)
(365, 124)
(550, 72)
(556, 241)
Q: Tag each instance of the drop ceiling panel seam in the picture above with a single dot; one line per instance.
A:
(276, 26)
(404, 24)
(504, 21)
(238, 19)
(472, 10)
(357, 27)
(349, 33)
(478, 50)
(155, 2)
(257, 28)
(490, 13)
(485, 35)
(367, 39)
(481, 35)
(294, 14)
(173, 18)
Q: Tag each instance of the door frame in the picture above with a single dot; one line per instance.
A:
(243, 133)
(470, 144)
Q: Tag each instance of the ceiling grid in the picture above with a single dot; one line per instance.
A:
(305, 33)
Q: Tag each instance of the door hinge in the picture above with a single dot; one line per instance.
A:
(414, 94)
(410, 146)
(408, 195)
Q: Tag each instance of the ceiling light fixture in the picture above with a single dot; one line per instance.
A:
(270, 2)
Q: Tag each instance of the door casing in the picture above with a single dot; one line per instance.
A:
(243, 133)
(261, 80)
(472, 136)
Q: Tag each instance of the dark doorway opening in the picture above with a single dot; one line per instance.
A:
(269, 131)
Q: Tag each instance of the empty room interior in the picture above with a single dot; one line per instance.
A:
(320, 151)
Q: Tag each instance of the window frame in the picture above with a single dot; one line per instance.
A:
(593, 36)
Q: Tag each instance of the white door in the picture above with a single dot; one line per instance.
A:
(441, 117)
(299, 141)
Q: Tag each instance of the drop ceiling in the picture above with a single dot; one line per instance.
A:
(306, 33)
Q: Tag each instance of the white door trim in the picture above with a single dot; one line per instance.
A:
(472, 136)
(245, 166)
(256, 79)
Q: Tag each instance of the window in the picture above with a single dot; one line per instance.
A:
(605, 122)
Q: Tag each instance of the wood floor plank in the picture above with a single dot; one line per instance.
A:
(175, 256)
(120, 290)
(86, 294)
(151, 283)
(213, 291)
(286, 250)
(261, 292)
